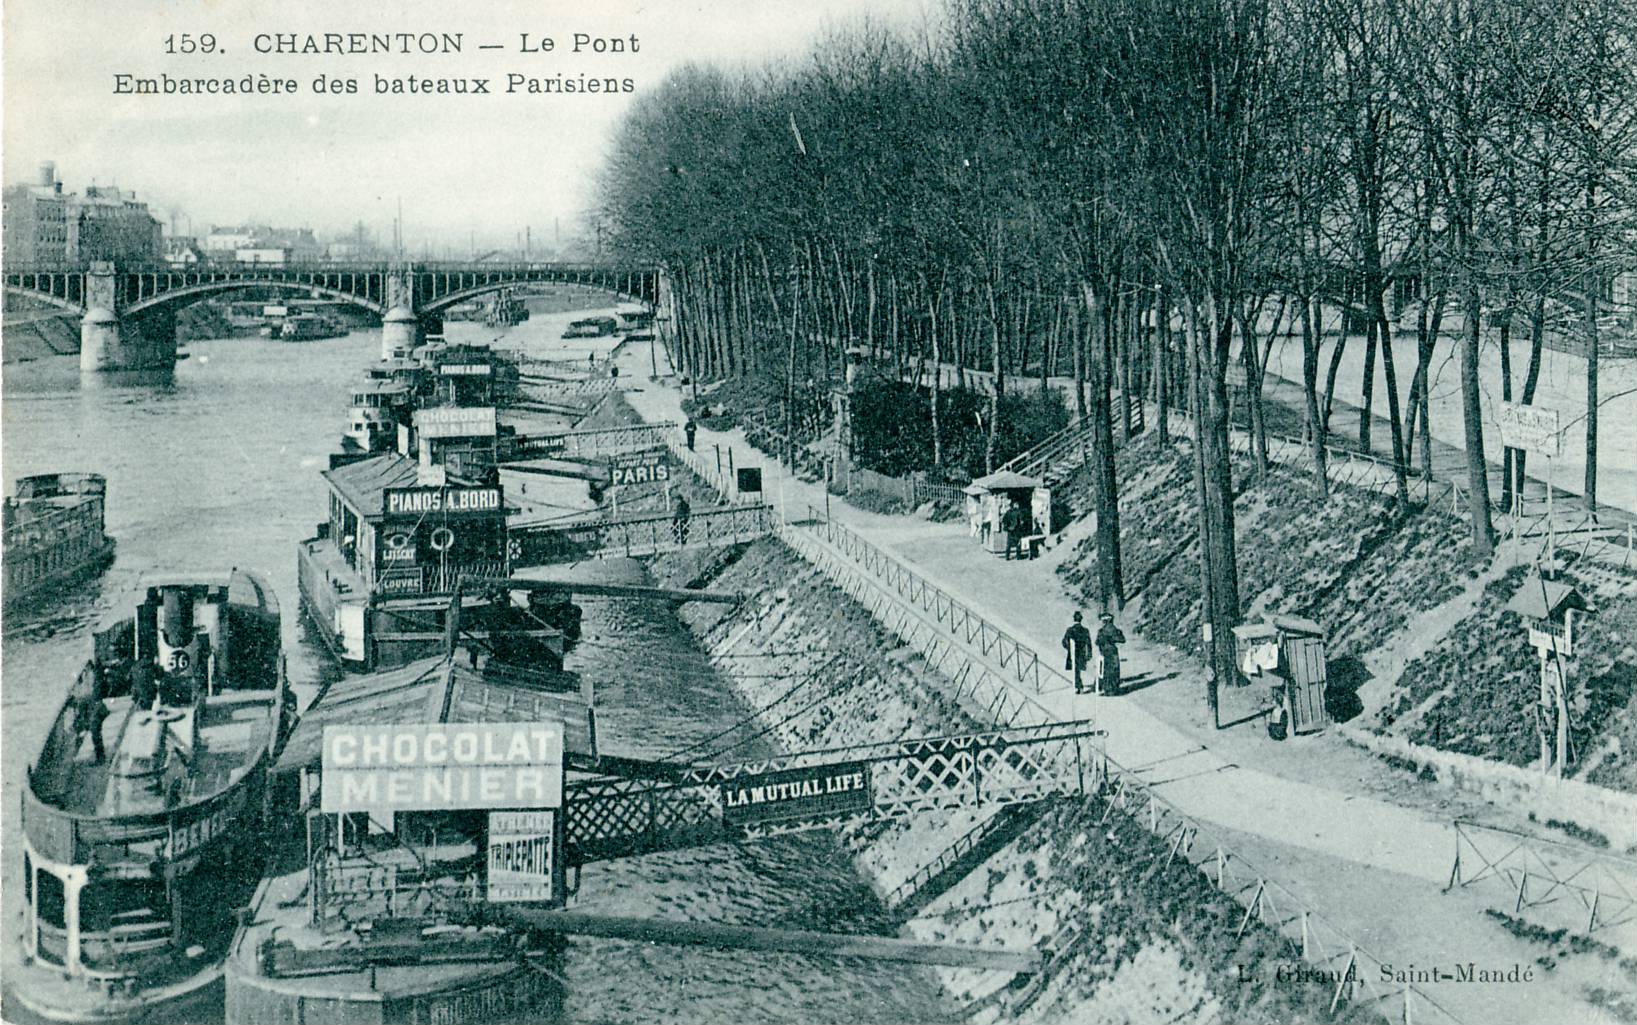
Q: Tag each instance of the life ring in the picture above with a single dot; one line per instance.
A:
(442, 539)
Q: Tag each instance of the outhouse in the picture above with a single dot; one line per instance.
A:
(1287, 654)
(988, 498)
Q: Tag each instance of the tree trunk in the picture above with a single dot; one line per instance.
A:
(1310, 393)
(1483, 540)
(1105, 485)
(1162, 346)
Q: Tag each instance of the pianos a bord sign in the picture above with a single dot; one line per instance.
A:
(811, 792)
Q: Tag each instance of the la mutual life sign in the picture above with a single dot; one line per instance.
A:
(442, 767)
(819, 790)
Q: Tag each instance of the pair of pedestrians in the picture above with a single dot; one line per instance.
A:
(1078, 646)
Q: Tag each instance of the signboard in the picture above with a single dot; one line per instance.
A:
(464, 369)
(456, 422)
(797, 793)
(645, 468)
(442, 766)
(1531, 428)
(398, 546)
(417, 502)
(521, 848)
(750, 479)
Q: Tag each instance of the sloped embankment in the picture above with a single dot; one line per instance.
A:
(1400, 595)
(1137, 936)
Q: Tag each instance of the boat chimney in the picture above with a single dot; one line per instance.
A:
(178, 617)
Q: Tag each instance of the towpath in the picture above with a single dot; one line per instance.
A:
(1306, 806)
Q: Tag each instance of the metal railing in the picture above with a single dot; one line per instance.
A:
(1568, 885)
(646, 535)
(991, 641)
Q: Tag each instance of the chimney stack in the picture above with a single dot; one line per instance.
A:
(48, 174)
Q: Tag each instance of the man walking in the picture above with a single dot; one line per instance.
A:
(1109, 639)
(1077, 651)
(679, 522)
(690, 429)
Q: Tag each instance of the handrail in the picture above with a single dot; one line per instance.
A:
(966, 625)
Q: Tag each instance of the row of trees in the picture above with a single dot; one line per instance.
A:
(1139, 193)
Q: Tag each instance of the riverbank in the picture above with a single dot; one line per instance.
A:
(1129, 937)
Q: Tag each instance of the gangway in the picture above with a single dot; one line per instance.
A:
(609, 817)
(576, 541)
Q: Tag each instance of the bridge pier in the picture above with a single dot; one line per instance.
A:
(109, 342)
(400, 332)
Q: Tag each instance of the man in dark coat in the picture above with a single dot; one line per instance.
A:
(1109, 639)
(1014, 522)
(679, 522)
(89, 711)
(1077, 651)
(690, 429)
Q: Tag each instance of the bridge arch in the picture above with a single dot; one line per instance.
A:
(622, 285)
(189, 294)
(46, 297)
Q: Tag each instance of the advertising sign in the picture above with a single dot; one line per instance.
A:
(464, 369)
(456, 422)
(645, 468)
(749, 479)
(442, 766)
(797, 793)
(521, 849)
(417, 502)
(1531, 428)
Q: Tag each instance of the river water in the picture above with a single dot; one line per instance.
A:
(218, 465)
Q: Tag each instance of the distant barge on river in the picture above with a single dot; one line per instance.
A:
(54, 533)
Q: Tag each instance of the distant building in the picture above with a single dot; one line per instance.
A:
(36, 221)
(46, 227)
(183, 251)
(270, 255)
(108, 224)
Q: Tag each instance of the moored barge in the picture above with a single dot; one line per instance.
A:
(54, 533)
(143, 813)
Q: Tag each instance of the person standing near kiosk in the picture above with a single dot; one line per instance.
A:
(1109, 639)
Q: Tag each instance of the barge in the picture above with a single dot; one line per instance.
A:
(54, 533)
(378, 576)
(144, 812)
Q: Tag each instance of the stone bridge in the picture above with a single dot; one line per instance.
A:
(128, 312)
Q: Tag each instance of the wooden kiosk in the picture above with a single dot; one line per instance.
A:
(988, 498)
(1286, 653)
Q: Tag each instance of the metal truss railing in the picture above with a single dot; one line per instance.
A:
(1564, 884)
(615, 818)
(648, 535)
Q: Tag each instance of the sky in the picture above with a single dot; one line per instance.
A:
(468, 169)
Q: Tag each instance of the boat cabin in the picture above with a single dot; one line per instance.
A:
(410, 529)
(459, 438)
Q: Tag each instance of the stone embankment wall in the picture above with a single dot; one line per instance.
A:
(1130, 934)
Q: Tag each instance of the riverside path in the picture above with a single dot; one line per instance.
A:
(1374, 865)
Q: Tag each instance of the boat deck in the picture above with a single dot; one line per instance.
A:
(233, 732)
(338, 575)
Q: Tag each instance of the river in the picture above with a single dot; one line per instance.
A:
(218, 465)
